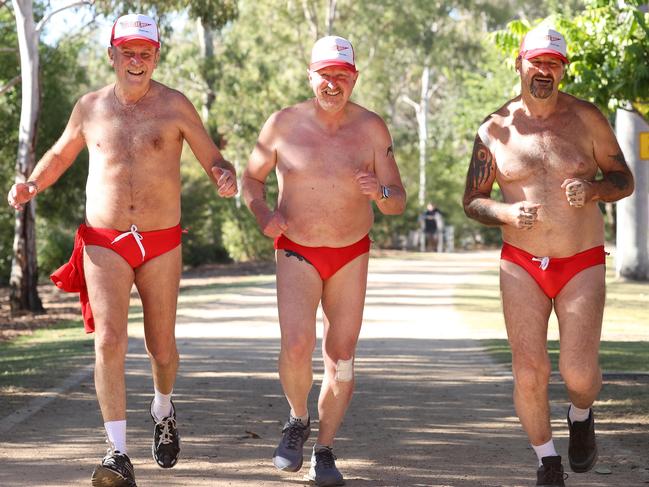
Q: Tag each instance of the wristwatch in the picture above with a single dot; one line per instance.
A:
(385, 192)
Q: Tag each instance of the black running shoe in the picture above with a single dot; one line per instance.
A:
(288, 455)
(115, 470)
(166, 440)
(323, 469)
(582, 448)
(550, 474)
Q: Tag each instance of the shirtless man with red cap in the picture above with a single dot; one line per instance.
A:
(333, 158)
(134, 131)
(545, 148)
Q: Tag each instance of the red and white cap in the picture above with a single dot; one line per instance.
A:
(544, 40)
(332, 51)
(135, 26)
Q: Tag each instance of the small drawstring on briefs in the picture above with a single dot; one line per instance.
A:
(544, 262)
(133, 231)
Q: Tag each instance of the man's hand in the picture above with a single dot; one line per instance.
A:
(226, 182)
(368, 183)
(524, 214)
(274, 225)
(578, 192)
(21, 193)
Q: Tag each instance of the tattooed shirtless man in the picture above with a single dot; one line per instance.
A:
(333, 158)
(545, 149)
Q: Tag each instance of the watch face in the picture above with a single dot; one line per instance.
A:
(386, 192)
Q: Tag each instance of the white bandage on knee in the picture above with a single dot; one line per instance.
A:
(344, 370)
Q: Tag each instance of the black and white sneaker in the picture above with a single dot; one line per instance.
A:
(115, 470)
(166, 440)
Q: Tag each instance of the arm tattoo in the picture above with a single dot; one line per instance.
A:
(390, 152)
(481, 167)
(619, 179)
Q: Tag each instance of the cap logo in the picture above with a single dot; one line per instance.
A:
(341, 48)
(138, 24)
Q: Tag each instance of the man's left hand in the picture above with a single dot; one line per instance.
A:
(368, 184)
(226, 182)
(578, 192)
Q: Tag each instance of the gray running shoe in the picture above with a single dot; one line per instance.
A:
(288, 455)
(166, 440)
(115, 470)
(323, 469)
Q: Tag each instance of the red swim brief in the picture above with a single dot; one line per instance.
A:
(326, 260)
(553, 273)
(135, 247)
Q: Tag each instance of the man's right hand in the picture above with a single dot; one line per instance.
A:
(21, 193)
(524, 214)
(274, 225)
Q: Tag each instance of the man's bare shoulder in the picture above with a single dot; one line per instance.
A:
(497, 120)
(286, 118)
(92, 98)
(585, 110)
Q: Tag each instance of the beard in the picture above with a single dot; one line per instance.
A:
(541, 89)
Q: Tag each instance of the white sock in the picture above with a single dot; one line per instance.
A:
(116, 432)
(304, 419)
(161, 407)
(545, 450)
(577, 414)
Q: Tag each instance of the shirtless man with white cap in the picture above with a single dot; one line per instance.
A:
(545, 148)
(134, 131)
(333, 158)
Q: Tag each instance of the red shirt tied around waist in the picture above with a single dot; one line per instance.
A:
(135, 247)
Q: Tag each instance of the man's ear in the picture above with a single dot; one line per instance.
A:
(110, 54)
(518, 63)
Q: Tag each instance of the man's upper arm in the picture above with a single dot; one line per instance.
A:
(385, 165)
(481, 174)
(606, 150)
(195, 134)
(72, 141)
(264, 156)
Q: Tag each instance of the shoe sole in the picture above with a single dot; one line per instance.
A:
(315, 482)
(583, 467)
(105, 477)
(289, 468)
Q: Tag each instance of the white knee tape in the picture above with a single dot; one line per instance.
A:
(345, 370)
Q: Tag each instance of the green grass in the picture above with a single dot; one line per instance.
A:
(614, 356)
(44, 357)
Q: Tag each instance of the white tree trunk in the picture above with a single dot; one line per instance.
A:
(632, 258)
(24, 272)
(422, 130)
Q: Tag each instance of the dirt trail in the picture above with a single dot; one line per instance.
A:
(430, 409)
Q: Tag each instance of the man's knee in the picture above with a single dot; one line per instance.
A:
(581, 379)
(298, 348)
(164, 356)
(111, 344)
(532, 377)
(344, 370)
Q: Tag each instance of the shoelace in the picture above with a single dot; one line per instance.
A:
(552, 473)
(116, 460)
(295, 434)
(166, 427)
(325, 457)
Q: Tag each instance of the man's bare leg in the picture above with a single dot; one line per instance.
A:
(527, 310)
(299, 289)
(109, 279)
(580, 308)
(342, 302)
(157, 282)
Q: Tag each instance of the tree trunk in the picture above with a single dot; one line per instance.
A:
(24, 269)
(632, 259)
(422, 124)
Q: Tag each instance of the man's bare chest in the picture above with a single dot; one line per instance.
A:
(129, 135)
(544, 154)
